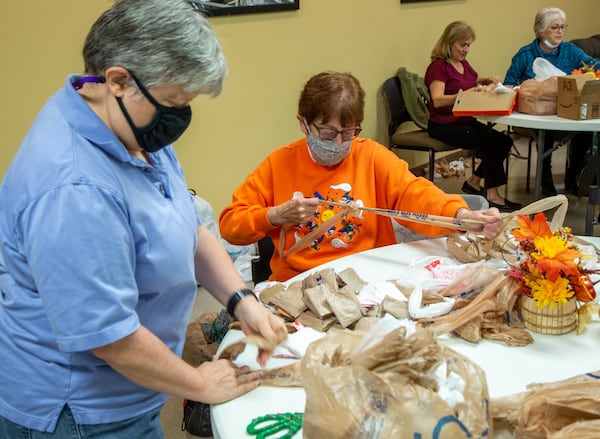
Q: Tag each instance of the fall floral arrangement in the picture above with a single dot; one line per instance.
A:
(551, 267)
(587, 70)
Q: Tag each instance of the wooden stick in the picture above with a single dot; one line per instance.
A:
(423, 218)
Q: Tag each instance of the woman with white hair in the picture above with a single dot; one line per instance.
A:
(549, 28)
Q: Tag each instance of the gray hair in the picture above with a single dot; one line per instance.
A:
(545, 17)
(163, 43)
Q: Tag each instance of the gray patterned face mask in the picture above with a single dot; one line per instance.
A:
(326, 152)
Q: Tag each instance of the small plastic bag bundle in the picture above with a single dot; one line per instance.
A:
(392, 386)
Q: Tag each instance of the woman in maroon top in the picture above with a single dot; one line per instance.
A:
(448, 73)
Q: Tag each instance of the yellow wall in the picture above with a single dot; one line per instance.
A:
(271, 55)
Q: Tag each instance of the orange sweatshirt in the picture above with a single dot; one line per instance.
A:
(370, 173)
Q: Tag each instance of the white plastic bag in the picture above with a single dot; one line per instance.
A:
(544, 69)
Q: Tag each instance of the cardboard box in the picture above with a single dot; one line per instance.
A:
(481, 103)
(578, 97)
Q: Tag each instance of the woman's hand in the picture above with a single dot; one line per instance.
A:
(483, 88)
(225, 381)
(490, 80)
(254, 318)
(491, 217)
(294, 211)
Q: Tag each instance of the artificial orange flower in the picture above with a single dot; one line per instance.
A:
(531, 229)
(555, 256)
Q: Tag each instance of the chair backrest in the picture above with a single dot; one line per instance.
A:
(476, 202)
(397, 111)
(590, 45)
(261, 266)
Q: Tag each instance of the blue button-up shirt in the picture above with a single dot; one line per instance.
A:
(94, 244)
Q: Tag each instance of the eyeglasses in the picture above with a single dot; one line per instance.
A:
(558, 27)
(330, 133)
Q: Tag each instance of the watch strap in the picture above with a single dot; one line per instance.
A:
(237, 296)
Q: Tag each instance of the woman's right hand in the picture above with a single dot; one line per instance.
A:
(294, 211)
(490, 217)
(225, 381)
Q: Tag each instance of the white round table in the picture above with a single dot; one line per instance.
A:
(543, 124)
(508, 369)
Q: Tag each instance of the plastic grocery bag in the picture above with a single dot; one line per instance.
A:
(544, 69)
(396, 386)
(566, 409)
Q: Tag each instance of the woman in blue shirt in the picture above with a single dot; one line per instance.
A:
(549, 27)
(101, 250)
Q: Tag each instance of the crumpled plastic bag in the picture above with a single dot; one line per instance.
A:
(295, 345)
(567, 409)
(544, 69)
(447, 278)
(389, 388)
(419, 311)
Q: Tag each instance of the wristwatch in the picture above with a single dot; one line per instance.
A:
(236, 297)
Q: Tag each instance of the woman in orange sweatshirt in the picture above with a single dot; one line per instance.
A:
(291, 188)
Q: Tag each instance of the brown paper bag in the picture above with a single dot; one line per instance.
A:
(538, 97)
(198, 347)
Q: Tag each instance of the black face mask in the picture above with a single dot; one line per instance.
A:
(167, 125)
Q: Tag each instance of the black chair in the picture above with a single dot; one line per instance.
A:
(590, 45)
(591, 219)
(589, 186)
(261, 266)
(402, 132)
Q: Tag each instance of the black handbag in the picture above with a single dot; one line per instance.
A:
(196, 418)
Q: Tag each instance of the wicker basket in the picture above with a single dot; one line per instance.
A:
(560, 320)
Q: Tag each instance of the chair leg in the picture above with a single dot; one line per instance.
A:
(529, 166)
(431, 164)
